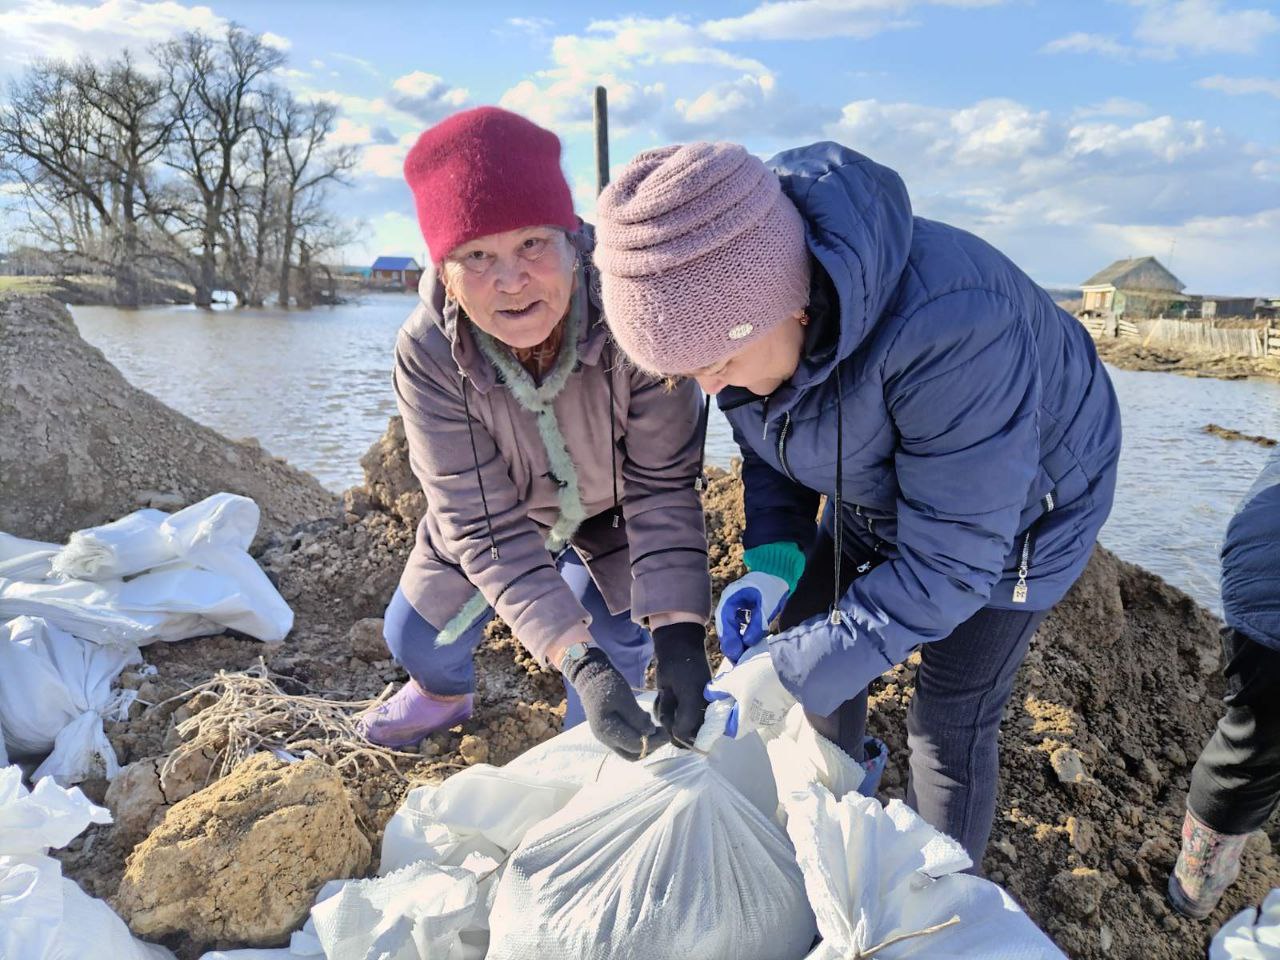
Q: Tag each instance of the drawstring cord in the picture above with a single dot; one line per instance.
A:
(613, 434)
(700, 484)
(836, 616)
(475, 458)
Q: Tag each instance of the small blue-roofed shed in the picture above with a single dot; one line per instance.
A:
(401, 272)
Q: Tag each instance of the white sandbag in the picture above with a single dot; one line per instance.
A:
(55, 691)
(880, 877)
(237, 595)
(117, 549)
(418, 911)
(481, 810)
(91, 611)
(173, 602)
(32, 821)
(664, 859)
(220, 521)
(1251, 934)
(25, 559)
(43, 915)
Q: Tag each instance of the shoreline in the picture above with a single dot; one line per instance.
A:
(1131, 355)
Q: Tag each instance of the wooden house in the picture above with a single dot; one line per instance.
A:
(401, 272)
(1137, 288)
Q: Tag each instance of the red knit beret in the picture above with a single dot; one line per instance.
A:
(486, 171)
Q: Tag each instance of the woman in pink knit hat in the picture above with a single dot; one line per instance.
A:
(959, 423)
(561, 484)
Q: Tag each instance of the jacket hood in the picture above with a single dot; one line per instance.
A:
(858, 226)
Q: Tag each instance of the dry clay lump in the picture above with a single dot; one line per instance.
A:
(240, 861)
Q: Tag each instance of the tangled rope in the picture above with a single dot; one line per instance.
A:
(248, 712)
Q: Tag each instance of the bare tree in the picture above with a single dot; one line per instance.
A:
(307, 166)
(213, 86)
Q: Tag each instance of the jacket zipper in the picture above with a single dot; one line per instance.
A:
(782, 446)
(1020, 591)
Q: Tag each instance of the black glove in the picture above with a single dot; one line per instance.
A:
(683, 674)
(615, 718)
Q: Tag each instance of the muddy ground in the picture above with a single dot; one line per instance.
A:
(1116, 698)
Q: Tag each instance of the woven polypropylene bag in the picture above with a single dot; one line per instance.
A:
(666, 860)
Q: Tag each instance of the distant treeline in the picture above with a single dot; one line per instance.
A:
(198, 167)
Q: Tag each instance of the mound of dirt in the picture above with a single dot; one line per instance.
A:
(1118, 694)
(79, 445)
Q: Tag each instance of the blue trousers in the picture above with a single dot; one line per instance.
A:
(450, 669)
(963, 684)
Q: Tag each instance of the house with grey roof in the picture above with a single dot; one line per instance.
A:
(1137, 288)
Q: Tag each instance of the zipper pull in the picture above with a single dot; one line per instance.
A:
(1048, 502)
(764, 419)
(1020, 588)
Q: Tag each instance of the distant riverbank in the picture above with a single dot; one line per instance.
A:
(1133, 355)
(91, 290)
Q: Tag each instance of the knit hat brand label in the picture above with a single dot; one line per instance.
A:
(741, 330)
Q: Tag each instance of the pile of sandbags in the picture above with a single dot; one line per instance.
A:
(149, 576)
(73, 617)
(743, 850)
(43, 915)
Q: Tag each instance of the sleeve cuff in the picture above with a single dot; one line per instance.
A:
(781, 558)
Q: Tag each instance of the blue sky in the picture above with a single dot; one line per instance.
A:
(1067, 133)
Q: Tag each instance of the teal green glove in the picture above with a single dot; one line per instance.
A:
(782, 559)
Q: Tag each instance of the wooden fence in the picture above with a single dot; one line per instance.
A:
(1198, 336)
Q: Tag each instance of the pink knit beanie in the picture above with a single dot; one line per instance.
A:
(699, 254)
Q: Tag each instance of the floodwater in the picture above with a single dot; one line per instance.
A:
(315, 387)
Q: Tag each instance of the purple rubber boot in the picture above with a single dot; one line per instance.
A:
(411, 715)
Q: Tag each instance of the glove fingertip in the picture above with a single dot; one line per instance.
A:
(731, 724)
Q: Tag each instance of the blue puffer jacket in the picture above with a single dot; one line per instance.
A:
(1251, 561)
(980, 431)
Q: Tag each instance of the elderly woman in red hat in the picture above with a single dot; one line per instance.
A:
(561, 482)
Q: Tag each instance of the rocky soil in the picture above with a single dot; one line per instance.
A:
(1116, 698)
(1133, 355)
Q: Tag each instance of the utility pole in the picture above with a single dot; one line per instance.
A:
(601, 116)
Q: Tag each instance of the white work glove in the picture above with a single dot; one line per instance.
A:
(745, 698)
(746, 608)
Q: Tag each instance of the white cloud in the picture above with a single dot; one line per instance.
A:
(386, 160)
(50, 28)
(1089, 43)
(348, 133)
(426, 97)
(1061, 194)
(820, 19)
(741, 109)
(1170, 28)
(1112, 107)
(1202, 26)
(363, 64)
(277, 41)
(1240, 86)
